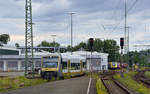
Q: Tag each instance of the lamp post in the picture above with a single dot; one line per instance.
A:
(53, 36)
(71, 13)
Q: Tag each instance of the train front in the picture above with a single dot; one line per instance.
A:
(50, 66)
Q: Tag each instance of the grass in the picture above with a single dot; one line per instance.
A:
(71, 75)
(147, 73)
(7, 84)
(99, 85)
(128, 81)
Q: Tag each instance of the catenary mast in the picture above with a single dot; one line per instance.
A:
(29, 62)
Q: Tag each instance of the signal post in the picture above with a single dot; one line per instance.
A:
(121, 61)
(91, 48)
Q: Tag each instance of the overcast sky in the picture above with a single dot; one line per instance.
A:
(93, 18)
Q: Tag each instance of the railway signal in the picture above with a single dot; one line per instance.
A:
(91, 43)
(122, 45)
(122, 42)
(91, 40)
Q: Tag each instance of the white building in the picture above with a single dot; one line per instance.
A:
(94, 61)
(16, 62)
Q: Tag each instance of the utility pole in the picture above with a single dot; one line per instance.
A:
(145, 28)
(128, 48)
(71, 31)
(125, 28)
(29, 56)
(54, 42)
(127, 45)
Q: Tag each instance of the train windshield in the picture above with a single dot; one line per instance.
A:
(50, 62)
(113, 63)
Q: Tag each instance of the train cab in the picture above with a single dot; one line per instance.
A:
(51, 66)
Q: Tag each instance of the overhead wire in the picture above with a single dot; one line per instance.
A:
(134, 3)
(115, 9)
(114, 13)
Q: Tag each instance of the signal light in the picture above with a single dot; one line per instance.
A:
(121, 42)
(91, 43)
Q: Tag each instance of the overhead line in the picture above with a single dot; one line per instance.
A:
(127, 13)
(116, 9)
(132, 6)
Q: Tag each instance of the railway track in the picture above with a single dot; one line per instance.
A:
(113, 86)
(142, 78)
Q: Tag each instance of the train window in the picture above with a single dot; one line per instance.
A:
(50, 64)
(64, 65)
(84, 64)
(113, 63)
(75, 66)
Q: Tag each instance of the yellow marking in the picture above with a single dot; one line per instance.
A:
(49, 69)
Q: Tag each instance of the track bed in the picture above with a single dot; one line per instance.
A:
(140, 77)
(113, 86)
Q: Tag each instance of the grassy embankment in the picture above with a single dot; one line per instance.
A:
(99, 85)
(18, 82)
(147, 74)
(131, 83)
(73, 74)
(7, 83)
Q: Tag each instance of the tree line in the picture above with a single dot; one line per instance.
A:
(104, 46)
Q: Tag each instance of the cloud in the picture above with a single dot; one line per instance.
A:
(93, 18)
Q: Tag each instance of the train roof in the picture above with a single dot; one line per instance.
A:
(73, 58)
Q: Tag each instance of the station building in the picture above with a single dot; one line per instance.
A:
(95, 61)
(12, 59)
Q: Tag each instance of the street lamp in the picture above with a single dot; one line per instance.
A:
(71, 13)
(54, 42)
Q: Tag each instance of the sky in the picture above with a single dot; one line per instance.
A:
(102, 19)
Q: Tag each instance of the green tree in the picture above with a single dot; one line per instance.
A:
(106, 46)
(98, 45)
(68, 48)
(111, 47)
(82, 45)
(17, 45)
(4, 39)
(140, 58)
(48, 44)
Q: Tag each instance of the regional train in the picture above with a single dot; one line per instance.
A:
(56, 65)
(116, 65)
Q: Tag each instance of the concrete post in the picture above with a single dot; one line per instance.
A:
(68, 66)
(81, 66)
(34, 64)
(19, 65)
(5, 66)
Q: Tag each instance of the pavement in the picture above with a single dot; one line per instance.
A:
(78, 85)
(11, 74)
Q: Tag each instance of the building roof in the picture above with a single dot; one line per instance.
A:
(88, 54)
(73, 58)
(8, 48)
